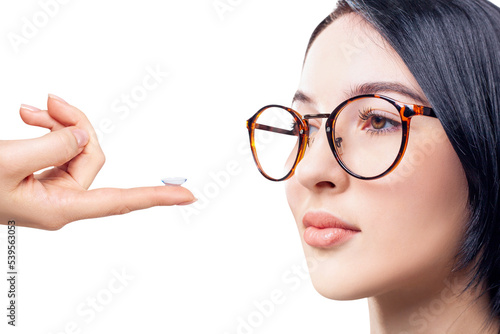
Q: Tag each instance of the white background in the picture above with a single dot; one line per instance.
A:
(202, 269)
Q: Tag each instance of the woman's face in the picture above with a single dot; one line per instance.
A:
(410, 222)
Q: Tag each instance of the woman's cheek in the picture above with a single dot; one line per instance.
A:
(410, 228)
(296, 196)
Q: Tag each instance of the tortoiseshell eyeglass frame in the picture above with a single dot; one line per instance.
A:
(406, 112)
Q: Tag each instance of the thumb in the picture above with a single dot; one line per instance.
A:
(24, 157)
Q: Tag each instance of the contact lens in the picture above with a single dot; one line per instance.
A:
(173, 181)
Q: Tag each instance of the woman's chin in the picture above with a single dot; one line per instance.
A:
(340, 293)
(340, 289)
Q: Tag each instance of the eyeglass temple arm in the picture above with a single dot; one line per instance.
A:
(429, 112)
(420, 110)
(294, 132)
(277, 130)
(316, 116)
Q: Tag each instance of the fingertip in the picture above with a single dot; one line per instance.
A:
(62, 111)
(40, 118)
(26, 115)
(82, 137)
(27, 107)
(57, 98)
(188, 202)
(28, 112)
(176, 195)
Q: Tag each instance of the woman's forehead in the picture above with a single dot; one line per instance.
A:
(351, 53)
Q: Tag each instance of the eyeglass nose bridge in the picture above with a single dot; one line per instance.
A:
(314, 116)
(336, 141)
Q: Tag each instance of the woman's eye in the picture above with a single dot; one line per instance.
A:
(377, 123)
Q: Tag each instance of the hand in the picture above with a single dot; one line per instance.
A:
(59, 195)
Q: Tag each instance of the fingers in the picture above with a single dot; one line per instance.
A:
(65, 113)
(85, 166)
(107, 202)
(36, 117)
(41, 118)
(21, 158)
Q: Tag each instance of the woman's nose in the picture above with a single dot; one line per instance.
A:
(318, 169)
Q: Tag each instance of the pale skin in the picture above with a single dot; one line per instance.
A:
(59, 195)
(411, 221)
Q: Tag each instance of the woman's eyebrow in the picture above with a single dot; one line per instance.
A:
(371, 88)
(302, 97)
(387, 87)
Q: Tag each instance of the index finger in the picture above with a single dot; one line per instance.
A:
(111, 201)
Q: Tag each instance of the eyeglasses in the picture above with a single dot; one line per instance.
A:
(367, 134)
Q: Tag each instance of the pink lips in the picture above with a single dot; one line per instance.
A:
(324, 230)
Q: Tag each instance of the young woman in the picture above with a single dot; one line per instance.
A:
(399, 201)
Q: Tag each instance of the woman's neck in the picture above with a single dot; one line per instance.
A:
(441, 309)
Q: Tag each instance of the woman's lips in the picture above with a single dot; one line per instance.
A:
(324, 230)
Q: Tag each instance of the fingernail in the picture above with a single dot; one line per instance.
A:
(30, 108)
(190, 202)
(52, 96)
(82, 137)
